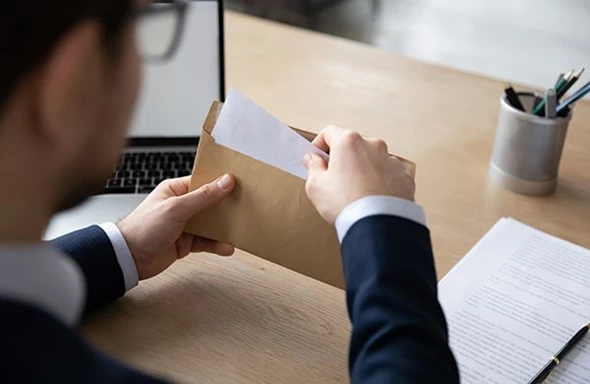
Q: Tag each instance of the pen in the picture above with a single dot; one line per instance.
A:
(561, 82)
(573, 98)
(555, 360)
(569, 83)
(550, 104)
(512, 97)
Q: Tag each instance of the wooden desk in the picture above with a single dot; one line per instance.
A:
(243, 320)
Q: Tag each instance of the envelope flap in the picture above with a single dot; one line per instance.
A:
(212, 116)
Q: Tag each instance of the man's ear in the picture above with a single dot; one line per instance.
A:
(69, 84)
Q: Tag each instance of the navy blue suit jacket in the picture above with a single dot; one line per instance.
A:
(399, 331)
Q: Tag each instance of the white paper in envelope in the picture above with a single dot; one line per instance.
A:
(247, 128)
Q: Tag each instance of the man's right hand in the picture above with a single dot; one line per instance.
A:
(358, 168)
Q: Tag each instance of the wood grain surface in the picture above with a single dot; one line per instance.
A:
(244, 320)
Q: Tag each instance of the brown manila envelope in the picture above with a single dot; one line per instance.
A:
(268, 214)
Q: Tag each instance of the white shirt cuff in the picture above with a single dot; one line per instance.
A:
(123, 254)
(377, 205)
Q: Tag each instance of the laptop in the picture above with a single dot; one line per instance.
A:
(175, 99)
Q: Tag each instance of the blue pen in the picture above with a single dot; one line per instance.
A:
(573, 98)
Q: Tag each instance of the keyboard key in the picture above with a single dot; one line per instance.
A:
(118, 190)
(183, 172)
(135, 166)
(129, 182)
(145, 182)
(154, 173)
(123, 174)
(114, 183)
(137, 174)
(188, 158)
(152, 166)
(169, 174)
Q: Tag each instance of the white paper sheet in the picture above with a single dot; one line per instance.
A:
(513, 302)
(247, 128)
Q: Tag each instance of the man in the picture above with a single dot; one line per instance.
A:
(68, 84)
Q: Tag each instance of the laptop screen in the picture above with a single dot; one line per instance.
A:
(176, 95)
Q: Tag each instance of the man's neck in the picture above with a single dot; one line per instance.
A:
(27, 194)
(25, 211)
(28, 189)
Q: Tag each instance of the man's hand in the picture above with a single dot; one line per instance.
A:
(154, 231)
(358, 168)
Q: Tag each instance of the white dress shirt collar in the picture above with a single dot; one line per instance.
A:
(40, 276)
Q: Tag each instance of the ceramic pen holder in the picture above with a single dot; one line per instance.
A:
(527, 150)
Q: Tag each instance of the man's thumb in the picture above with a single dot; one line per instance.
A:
(194, 202)
(314, 163)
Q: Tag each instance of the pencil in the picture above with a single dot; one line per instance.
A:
(569, 83)
(512, 97)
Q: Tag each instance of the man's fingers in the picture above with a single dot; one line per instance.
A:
(328, 137)
(179, 186)
(186, 206)
(380, 145)
(201, 244)
(314, 163)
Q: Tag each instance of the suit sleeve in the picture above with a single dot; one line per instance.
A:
(93, 251)
(399, 330)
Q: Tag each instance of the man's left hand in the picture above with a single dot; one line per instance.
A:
(155, 233)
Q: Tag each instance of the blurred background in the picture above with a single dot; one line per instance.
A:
(525, 41)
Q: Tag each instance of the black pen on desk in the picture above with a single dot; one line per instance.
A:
(569, 83)
(512, 97)
(559, 356)
(573, 98)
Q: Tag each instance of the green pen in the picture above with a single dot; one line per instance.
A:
(559, 79)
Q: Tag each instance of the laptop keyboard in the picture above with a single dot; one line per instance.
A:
(141, 172)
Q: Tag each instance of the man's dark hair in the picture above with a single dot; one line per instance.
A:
(30, 29)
